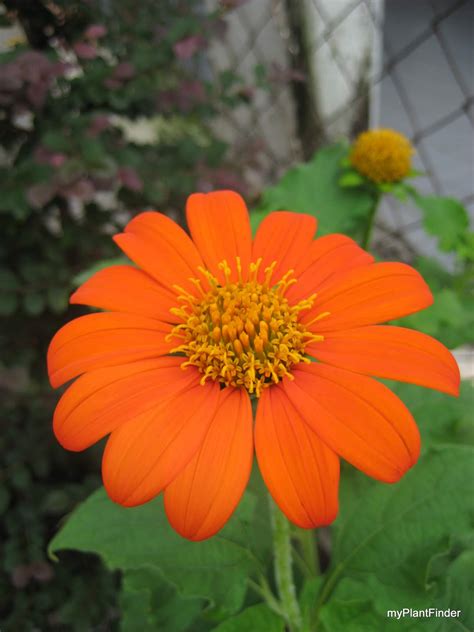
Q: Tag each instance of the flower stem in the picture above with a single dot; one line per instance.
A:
(370, 222)
(283, 569)
(307, 538)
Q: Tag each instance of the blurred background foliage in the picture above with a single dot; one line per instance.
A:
(104, 111)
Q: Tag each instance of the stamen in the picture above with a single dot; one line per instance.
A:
(318, 318)
(243, 334)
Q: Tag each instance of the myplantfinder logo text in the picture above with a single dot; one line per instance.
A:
(427, 613)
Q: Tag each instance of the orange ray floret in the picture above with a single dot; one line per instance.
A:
(209, 322)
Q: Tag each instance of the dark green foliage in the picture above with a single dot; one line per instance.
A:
(35, 593)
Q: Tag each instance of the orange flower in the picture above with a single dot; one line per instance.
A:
(205, 324)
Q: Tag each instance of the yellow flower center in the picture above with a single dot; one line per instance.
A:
(242, 334)
(382, 155)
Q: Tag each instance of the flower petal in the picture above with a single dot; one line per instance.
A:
(394, 353)
(204, 495)
(106, 339)
(328, 259)
(357, 417)
(162, 248)
(369, 295)
(283, 237)
(300, 471)
(101, 400)
(220, 227)
(127, 289)
(144, 455)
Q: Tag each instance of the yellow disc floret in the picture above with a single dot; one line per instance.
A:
(382, 155)
(242, 334)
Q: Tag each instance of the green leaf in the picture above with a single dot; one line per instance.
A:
(313, 188)
(445, 218)
(451, 575)
(149, 603)
(255, 619)
(351, 179)
(447, 585)
(465, 250)
(215, 570)
(391, 540)
(394, 523)
(363, 606)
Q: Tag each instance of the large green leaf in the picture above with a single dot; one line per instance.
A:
(448, 585)
(214, 570)
(392, 523)
(387, 537)
(314, 188)
(364, 606)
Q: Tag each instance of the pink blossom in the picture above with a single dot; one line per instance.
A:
(130, 178)
(95, 31)
(99, 124)
(112, 84)
(123, 71)
(85, 51)
(186, 48)
(44, 156)
(82, 189)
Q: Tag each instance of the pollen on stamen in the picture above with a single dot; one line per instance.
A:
(242, 334)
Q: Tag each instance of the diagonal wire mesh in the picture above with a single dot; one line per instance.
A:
(410, 68)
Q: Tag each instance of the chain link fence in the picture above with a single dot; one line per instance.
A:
(335, 67)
